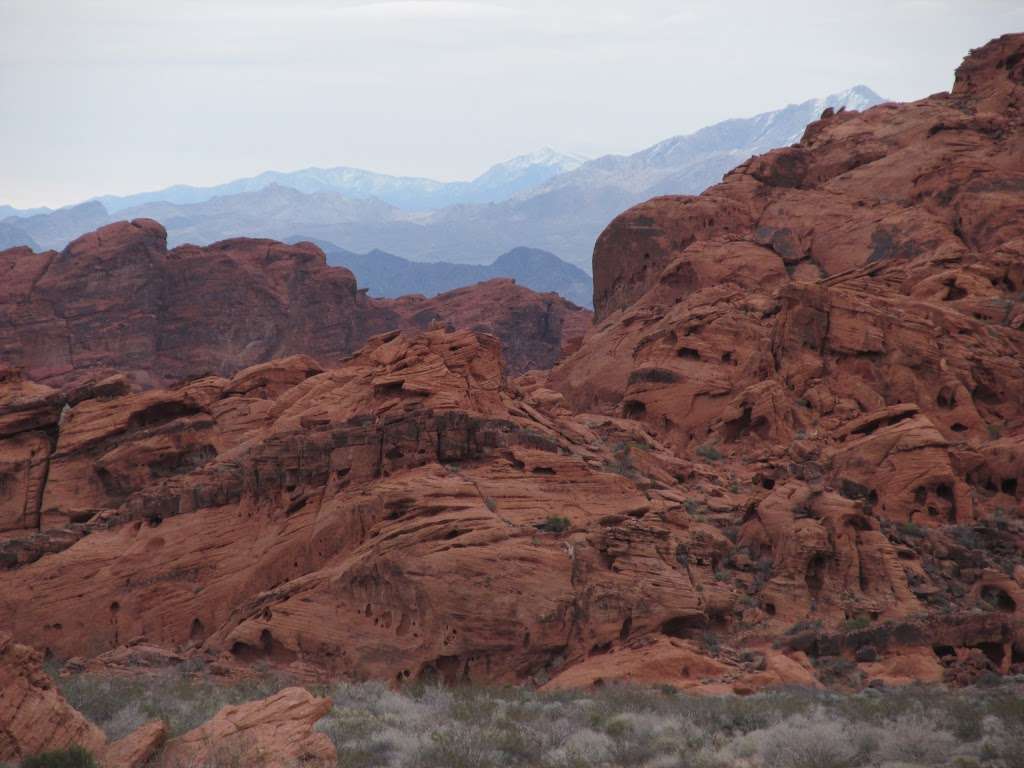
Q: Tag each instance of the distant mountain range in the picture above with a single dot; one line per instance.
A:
(499, 182)
(388, 276)
(549, 201)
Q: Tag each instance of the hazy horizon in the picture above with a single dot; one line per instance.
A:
(113, 98)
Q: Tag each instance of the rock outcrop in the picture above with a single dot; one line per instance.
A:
(791, 451)
(117, 301)
(276, 731)
(33, 715)
(840, 324)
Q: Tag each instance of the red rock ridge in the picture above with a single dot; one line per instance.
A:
(791, 451)
(117, 301)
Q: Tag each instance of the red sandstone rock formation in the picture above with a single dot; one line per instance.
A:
(35, 718)
(33, 715)
(117, 301)
(276, 731)
(791, 451)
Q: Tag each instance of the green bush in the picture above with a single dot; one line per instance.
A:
(709, 452)
(72, 757)
(556, 524)
(860, 622)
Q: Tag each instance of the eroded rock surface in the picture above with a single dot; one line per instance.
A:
(33, 715)
(276, 731)
(791, 451)
(117, 301)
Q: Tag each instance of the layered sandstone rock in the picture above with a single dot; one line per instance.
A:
(276, 731)
(33, 715)
(116, 300)
(791, 451)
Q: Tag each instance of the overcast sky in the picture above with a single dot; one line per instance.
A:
(120, 96)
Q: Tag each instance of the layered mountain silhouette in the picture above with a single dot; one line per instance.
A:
(548, 201)
(388, 276)
(497, 183)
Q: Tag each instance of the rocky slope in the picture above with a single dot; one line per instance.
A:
(116, 301)
(791, 451)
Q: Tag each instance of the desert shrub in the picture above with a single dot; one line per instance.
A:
(913, 530)
(72, 757)
(119, 705)
(556, 524)
(916, 739)
(428, 726)
(807, 742)
(709, 452)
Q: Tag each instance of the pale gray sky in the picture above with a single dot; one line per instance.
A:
(121, 96)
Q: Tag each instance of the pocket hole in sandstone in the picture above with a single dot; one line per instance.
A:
(998, 598)
(684, 627)
(627, 625)
(633, 409)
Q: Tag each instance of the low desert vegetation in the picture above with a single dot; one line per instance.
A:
(429, 726)
(73, 757)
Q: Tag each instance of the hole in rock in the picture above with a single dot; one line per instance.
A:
(544, 471)
(688, 353)
(684, 627)
(634, 409)
(161, 413)
(1009, 486)
(727, 357)
(197, 631)
(859, 523)
(769, 608)
(389, 388)
(958, 427)
(998, 597)
(984, 394)
(627, 625)
(815, 577)
(944, 651)
(954, 292)
(993, 651)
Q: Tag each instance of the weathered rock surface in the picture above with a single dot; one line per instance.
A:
(534, 328)
(33, 715)
(116, 300)
(841, 324)
(137, 748)
(276, 731)
(791, 451)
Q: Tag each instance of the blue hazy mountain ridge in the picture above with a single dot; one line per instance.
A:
(499, 182)
(388, 276)
(562, 214)
(9, 211)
